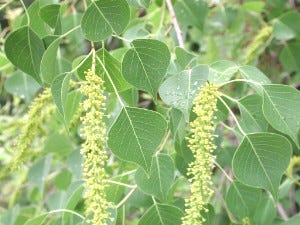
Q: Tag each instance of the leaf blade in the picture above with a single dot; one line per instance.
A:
(22, 43)
(113, 17)
(141, 130)
(145, 64)
(253, 162)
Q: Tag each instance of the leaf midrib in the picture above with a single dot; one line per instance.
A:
(125, 110)
(159, 176)
(240, 195)
(260, 162)
(99, 10)
(137, 139)
(279, 114)
(144, 69)
(160, 218)
(31, 54)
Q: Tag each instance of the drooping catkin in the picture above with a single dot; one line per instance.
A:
(39, 110)
(94, 150)
(295, 161)
(202, 147)
(259, 41)
(246, 221)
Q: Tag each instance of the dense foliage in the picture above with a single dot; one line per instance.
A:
(149, 112)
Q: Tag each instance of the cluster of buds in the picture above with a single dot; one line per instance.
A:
(94, 150)
(201, 143)
(39, 110)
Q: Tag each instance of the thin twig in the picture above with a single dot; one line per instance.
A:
(233, 116)
(67, 211)
(175, 24)
(120, 184)
(5, 4)
(164, 142)
(93, 57)
(124, 174)
(162, 18)
(26, 12)
(222, 170)
(126, 197)
(282, 212)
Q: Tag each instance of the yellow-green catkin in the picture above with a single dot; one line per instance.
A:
(38, 110)
(258, 42)
(94, 150)
(246, 221)
(202, 145)
(295, 161)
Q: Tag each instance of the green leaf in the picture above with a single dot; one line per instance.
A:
(221, 71)
(289, 56)
(105, 17)
(145, 64)
(252, 117)
(242, 200)
(140, 3)
(4, 63)
(130, 96)
(261, 160)
(41, 218)
(192, 12)
(110, 68)
(160, 179)
(177, 124)
(10, 216)
(183, 57)
(72, 105)
(254, 74)
(254, 6)
(162, 214)
(115, 192)
(21, 85)
(37, 220)
(137, 31)
(265, 212)
(292, 221)
(51, 14)
(38, 173)
(59, 144)
(63, 180)
(209, 215)
(36, 23)
(285, 27)
(25, 50)
(74, 195)
(59, 89)
(281, 108)
(136, 134)
(180, 90)
(184, 156)
(52, 64)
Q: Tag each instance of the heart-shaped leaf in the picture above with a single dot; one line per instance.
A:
(160, 179)
(105, 17)
(25, 50)
(145, 64)
(136, 134)
(162, 214)
(179, 90)
(281, 108)
(261, 160)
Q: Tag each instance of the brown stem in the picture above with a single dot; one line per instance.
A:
(175, 23)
